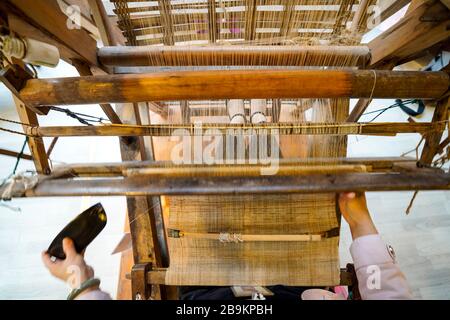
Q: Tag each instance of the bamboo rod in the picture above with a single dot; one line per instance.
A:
(378, 128)
(316, 183)
(117, 168)
(253, 237)
(235, 84)
(239, 171)
(232, 55)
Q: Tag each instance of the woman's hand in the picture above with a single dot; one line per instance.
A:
(354, 210)
(73, 269)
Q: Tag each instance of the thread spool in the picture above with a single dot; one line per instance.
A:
(30, 51)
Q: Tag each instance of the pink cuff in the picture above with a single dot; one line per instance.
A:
(369, 250)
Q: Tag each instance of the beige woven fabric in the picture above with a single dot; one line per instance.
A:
(209, 262)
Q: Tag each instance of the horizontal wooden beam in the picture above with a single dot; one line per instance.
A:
(158, 276)
(15, 154)
(165, 130)
(315, 183)
(112, 169)
(141, 56)
(235, 84)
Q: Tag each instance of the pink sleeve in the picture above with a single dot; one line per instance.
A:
(379, 276)
(94, 295)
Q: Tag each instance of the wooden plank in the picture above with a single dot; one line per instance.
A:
(36, 145)
(84, 70)
(316, 183)
(373, 128)
(424, 26)
(235, 84)
(111, 169)
(232, 55)
(446, 3)
(140, 209)
(250, 20)
(392, 8)
(109, 33)
(212, 22)
(432, 140)
(159, 276)
(38, 12)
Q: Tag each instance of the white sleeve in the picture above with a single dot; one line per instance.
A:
(94, 295)
(379, 277)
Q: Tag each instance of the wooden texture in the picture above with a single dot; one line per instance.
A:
(424, 25)
(209, 262)
(141, 210)
(315, 183)
(36, 145)
(432, 140)
(233, 55)
(38, 13)
(84, 70)
(191, 85)
(116, 169)
(109, 33)
(373, 128)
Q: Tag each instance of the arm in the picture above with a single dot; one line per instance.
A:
(74, 271)
(379, 276)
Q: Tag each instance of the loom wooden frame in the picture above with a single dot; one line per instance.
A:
(386, 173)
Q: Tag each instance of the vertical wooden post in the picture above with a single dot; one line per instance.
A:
(166, 16)
(142, 210)
(433, 139)
(36, 145)
(212, 21)
(185, 112)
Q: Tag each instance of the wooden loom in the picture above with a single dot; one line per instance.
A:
(208, 201)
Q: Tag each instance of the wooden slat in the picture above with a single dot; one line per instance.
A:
(423, 26)
(212, 22)
(432, 140)
(233, 55)
(239, 84)
(250, 20)
(316, 183)
(36, 145)
(373, 128)
(109, 33)
(117, 169)
(140, 209)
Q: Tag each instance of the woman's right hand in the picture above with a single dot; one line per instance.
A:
(354, 210)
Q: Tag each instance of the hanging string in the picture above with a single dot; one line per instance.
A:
(19, 156)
